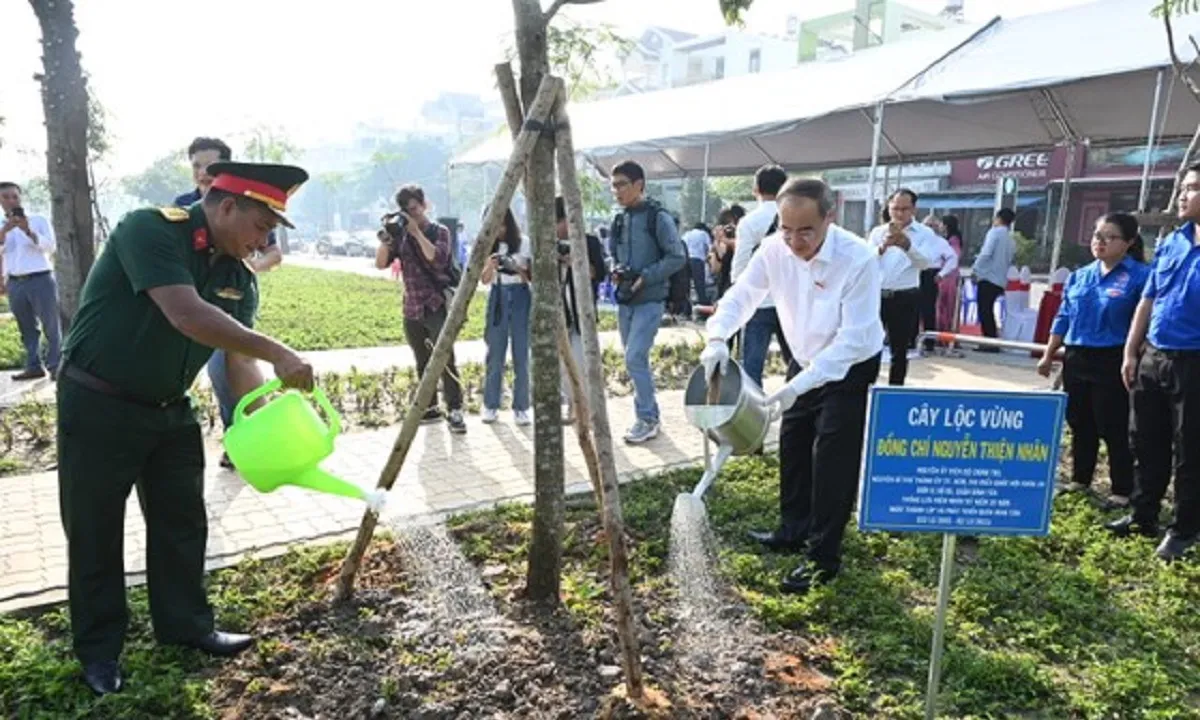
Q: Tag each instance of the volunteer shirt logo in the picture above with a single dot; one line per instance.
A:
(230, 294)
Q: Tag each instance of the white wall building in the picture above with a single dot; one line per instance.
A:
(664, 58)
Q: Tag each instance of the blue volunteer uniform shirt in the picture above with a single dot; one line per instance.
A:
(1174, 286)
(1097, 309)
(191, 198)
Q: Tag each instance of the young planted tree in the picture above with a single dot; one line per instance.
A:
(65, 102)
(1166, 9)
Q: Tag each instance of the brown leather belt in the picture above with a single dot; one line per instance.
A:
(91, 382)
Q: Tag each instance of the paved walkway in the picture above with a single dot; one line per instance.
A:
(444, 474)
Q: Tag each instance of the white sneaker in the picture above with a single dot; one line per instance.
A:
(490, 415)
(522, 417)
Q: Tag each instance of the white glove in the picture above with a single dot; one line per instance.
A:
(715, 355)
(783, 399)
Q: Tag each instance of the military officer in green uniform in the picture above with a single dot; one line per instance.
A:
(157, 302)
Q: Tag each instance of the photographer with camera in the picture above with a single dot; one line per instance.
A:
(646, 251)
(508, 307)
(596, 265)
(423, 248)
(720, 256)
(27, 243)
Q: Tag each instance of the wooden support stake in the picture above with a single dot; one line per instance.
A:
(550, 89)
(579, 403)
(614, 522)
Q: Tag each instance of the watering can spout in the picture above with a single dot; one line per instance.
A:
(321, 481)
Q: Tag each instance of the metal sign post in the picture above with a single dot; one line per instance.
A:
(949, 540)
(959, 461)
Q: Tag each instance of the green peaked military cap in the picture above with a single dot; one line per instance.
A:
(269, 184)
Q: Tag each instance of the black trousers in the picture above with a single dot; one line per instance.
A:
(900, 312)
(422, 334)
(821, 441)
(987, 295)
(1098, 409)
(929, 299)
(1166, 436)
(106, 447)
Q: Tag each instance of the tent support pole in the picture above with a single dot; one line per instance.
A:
(1144, 192)
(704, 186)
(765, 154)
(1060, 225)
(869, 212)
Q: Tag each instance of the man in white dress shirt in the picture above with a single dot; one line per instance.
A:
(751, 231)
(27, 242)
(906, 248)
(825, 284)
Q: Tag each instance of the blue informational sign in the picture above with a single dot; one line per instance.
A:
(974, 462)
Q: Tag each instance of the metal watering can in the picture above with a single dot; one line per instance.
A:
(284, 441)
(731, 410)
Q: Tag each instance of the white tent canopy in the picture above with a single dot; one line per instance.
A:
(748, 120)
(1084, 73)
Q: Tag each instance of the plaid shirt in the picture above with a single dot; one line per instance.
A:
(423, 295)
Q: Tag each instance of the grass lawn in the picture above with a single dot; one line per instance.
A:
(1077, 625)
(312, 309)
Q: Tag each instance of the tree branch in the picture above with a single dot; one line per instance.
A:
(1181, 68)
(557, 5)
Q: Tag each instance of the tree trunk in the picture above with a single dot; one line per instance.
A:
(539, 111)
(65, 103)
(545, 547)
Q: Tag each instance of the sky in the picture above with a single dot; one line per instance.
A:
(169, 70)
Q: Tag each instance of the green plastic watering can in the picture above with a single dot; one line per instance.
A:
(285, 440)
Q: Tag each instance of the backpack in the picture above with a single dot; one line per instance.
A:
(679, 285)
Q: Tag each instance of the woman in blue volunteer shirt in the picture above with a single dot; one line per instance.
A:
(508, 308)
(1098, 305)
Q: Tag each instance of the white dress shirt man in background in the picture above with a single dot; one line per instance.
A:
(28, 243)
(906, 249)
(825, 284)
(751, 232)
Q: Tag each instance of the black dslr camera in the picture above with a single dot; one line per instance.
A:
(624, 278)
(505, 264)
(564, 248)
(395, 225)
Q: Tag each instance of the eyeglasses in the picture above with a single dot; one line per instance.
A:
(1108, 238)
(620, 184)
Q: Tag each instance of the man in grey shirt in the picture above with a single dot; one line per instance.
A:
(991, 270)
(646, 251)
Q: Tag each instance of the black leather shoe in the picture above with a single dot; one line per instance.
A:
(104, 678)
(1174, 547)
(775, 542)
(222, 644)
(805, 578)
(1129, 525)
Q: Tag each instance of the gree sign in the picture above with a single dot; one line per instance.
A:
(1032, 168)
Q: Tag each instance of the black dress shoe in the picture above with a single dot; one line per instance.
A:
(775, 542)
(222, 644)
(805, 578)
(104, 678)
(1130, 525)
(1174, 547)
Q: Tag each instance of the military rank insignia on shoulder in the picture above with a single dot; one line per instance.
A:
(174, 214)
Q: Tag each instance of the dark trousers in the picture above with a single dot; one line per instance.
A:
(987, 294)
(106, 446)
(34, 301)
(1166, 436)
(1098, 409)
(901, 314)
(821, 441)
(699, 280)
(422, 334)
(929, 299)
